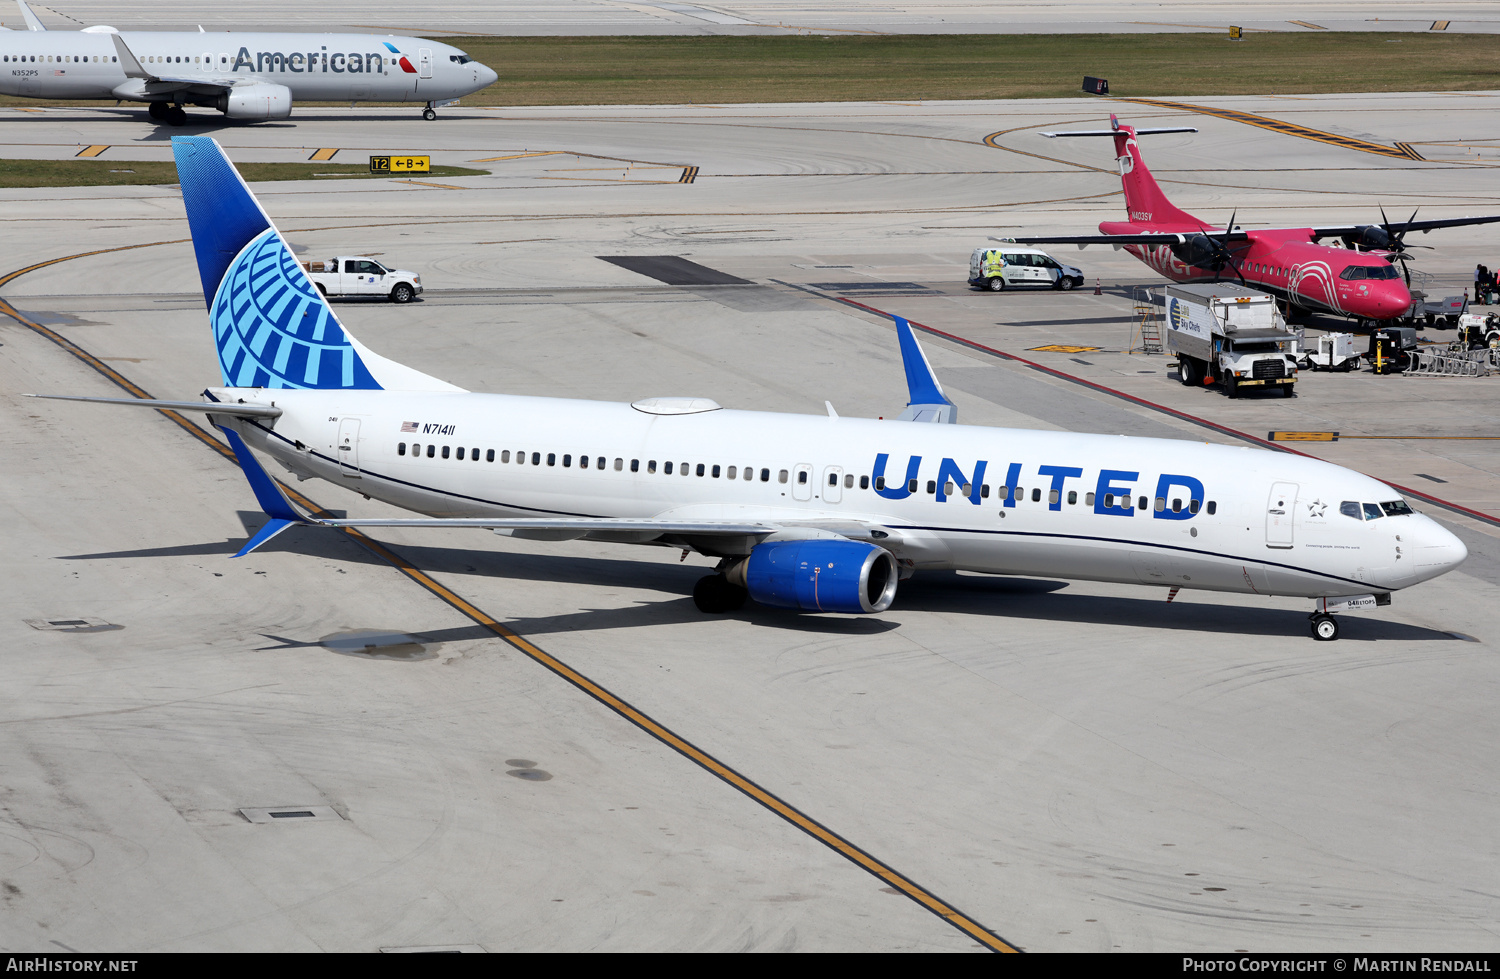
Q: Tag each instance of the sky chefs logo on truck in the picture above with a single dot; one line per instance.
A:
(1175, 315)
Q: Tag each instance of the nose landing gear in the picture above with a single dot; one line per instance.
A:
(429, 113)
(1325, 628)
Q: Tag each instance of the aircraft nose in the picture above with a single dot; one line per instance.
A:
(1437, 551)
(486, 76)
(1392, 301)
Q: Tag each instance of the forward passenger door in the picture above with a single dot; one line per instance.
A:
(1281, 510)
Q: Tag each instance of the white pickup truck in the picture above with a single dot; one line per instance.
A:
(356, 275)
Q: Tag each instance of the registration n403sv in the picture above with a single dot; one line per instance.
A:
(812, 512)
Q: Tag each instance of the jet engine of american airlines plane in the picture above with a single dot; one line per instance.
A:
(256, 102)
(820, 575)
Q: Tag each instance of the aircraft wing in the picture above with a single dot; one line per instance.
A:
(1145, 238)
(1340, 231)
(166, 83)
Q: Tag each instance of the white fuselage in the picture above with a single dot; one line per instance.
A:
(1094, 507)
(332, 67)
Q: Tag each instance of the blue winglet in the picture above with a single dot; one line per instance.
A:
(920, 381)
(270, 497)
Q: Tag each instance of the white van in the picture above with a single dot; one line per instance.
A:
(999, 267)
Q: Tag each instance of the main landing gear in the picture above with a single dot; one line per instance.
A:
(172, 115)
(714, 594)
(1325, 628)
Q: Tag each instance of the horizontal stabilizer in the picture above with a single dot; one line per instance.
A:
(270, 497)
(1111, 132)
(212, 407)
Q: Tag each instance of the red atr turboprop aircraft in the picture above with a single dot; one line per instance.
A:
(1356, 280)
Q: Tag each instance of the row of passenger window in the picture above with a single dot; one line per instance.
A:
(747, 474)
(1018, 494)
(54, 59)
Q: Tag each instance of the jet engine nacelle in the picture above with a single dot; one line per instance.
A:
(821, 575)
(256, 102)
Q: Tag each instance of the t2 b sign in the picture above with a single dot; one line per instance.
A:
(400, 164)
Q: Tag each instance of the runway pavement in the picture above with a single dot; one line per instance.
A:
(1033, 763)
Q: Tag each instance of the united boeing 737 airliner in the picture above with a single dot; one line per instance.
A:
(246, 76)
(819, 513)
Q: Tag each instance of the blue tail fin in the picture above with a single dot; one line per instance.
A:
(272, 327)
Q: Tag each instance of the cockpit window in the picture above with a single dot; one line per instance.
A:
(460, 59)
(1370, 272)
(1373, 511)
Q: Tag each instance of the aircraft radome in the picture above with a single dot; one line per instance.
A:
(812, 512)
(247, 76)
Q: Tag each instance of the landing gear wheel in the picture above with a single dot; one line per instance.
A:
(429, 113)
(1325, 628)
(175, 116)
(714, 594)
(157, 110)
(997, 284)
(402, 293)
(1067, 283)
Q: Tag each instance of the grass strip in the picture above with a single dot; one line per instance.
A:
(102, 173)
(673, 70)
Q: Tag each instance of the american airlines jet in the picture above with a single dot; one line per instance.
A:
(252, 77)
(811, 512)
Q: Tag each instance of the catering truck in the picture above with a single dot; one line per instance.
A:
(357, 275)
(1232, 335)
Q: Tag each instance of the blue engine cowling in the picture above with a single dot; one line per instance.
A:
(821, 575)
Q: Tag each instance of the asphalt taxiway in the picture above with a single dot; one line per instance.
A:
(655, 17)
(482, 730)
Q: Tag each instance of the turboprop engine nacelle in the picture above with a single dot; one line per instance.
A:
(258, 101)
(1199, 251)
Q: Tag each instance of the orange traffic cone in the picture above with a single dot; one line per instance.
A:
(1097, 291)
